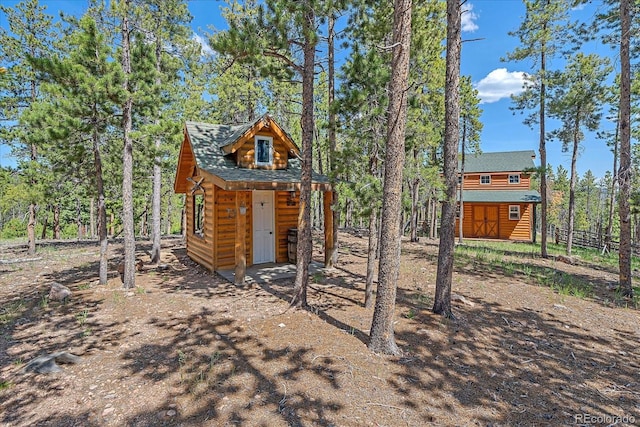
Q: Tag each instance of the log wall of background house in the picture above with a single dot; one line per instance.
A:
(199, 248)
(225, 225)
(467, 226)
(515, 230)
(286, 218)
(498, 182)
(246, 153)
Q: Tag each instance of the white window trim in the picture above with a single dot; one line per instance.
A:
(517, 176)
(485, 183)
(517, 211)
(255, 147)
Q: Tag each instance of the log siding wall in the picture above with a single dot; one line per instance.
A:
(499, 181)
(246, 154)
(507, 229)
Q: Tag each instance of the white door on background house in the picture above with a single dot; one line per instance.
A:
(263, 234)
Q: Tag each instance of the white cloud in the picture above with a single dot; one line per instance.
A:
(206, 49)
(499, 84)
(469, 18)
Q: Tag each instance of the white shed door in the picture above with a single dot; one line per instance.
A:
(263, 235)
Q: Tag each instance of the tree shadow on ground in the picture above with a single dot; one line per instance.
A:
(223, 354)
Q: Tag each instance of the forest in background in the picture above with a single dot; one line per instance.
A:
(68, 100)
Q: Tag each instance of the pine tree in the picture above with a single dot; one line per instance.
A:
(362, 104)
(165, 24)
(123, 9)
(624, 175)
(83, 88)
(442, 301)
(382, 337)
(576, 101)
(30, 32)
(542, 35)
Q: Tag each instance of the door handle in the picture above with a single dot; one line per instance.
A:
(271, 232)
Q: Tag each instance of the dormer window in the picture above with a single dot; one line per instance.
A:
(485, 179)
(264, 150)
(514, 179)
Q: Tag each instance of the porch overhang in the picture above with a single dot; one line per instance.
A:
(500, 196)
(238, 179)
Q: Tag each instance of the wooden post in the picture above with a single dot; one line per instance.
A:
(241, 230)
(328, 229)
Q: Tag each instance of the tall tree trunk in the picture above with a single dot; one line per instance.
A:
(31, 225)
(92, 218)
(413, 216)
(624, 175)
(461, 184)
(442, 301)
(102, 210)
(374, 246)
(45, 222)
(56, 221)
(79, 218)
(168, 216)
(543, 153)
(156, 200)
(371, 257)
(572, 190)
(332, 255)
(612, 190)
(414, 187)
(382, 338)
(129, 277)
(304, 248)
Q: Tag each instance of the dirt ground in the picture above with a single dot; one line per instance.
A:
(186, 348)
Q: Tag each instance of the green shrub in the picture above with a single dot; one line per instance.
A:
(14, 228)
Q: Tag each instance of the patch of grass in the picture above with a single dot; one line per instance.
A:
(140, 290)
(317, 277)
(214, 358)
(44, 302)
(84, 286)
(82, 317)
(18, 362)
(4, 385)
(567, 285)
(117, 297)
(10, 311)
(410, 314)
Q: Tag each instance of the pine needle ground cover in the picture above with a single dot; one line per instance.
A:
(535, 342)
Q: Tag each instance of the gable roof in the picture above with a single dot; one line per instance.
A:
(208, 147)
(503, 161)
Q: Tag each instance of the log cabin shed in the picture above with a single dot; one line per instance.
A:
(242, 186)
(497, 200)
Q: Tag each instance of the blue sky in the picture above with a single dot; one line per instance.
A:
(487, 20)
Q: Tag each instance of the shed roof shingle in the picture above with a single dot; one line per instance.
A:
(207, 141)
(504, 161)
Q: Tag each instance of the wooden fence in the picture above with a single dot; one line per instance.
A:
(588, 239)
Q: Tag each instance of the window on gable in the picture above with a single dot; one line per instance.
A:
(485, 179)
(264, 150)
(514, 179)
(198, 215)
(514, 212)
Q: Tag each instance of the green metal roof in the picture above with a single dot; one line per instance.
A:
(505, 161)
(207, 141)
(500, 196)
